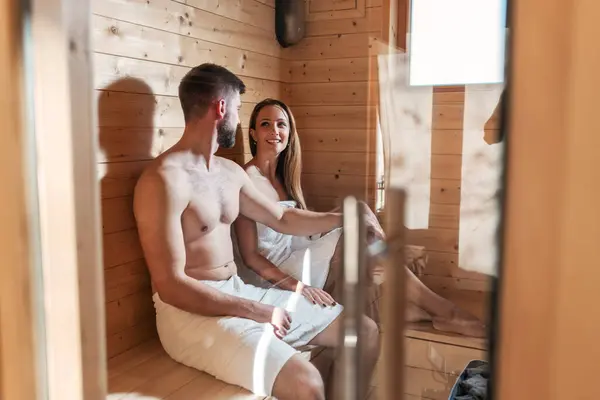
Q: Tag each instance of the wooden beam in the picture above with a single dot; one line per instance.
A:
(21, 338)
(548, 329)
(69, 200)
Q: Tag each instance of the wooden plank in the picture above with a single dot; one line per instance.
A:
(330, 70)
(22, 367)
(444, 216)
(551, 220)
(369, 23)
(119, 343)
(447, 116)
(446, 283)
(374, 3)
(333, 46)
(445, 191)
(448, 97)
(440, 357)
(446, 265)
(133, 357)
(117, 214)
(67, 219)
(357, 11)
(121, 109)
(429, 385)
(332, 117)
(335, 185)
(337, 140)
(152, 368)
(121, 247)
(328, 203)
(205, 387)
(316, 6)
(118, 179)
(180, 19)
(336, 164)
(444, 166)
(129, 311)
(425, 331)
(125, 74)
(446, 141)
(111, 36)
(138, 144)
(445, 240)
(270, 3)
(333, 93)
(250, 12)
(323, 204)
(125, 280)
(172, 380)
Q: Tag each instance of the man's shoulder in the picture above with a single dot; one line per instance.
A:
(160, 175)
(230, 165)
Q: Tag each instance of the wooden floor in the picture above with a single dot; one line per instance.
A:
(433, 362)
(147, 372)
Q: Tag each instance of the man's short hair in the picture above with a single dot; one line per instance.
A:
(204, 84)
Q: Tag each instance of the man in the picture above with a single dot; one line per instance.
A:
(207, 318)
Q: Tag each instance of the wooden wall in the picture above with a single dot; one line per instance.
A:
(333, 93)
(142, 49)
(328, 90)
(441, 239)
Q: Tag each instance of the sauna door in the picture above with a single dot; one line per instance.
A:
(545, 323)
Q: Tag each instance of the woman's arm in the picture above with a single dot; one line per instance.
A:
(247, 237)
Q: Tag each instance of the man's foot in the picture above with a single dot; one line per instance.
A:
(462, 323)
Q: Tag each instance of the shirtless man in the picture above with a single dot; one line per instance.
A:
(207, 318)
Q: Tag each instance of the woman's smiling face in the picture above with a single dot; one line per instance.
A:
(272, 131)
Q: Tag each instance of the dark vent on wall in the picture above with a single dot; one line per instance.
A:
(289, 21)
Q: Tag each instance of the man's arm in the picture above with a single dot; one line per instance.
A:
(291, 221)
(158, 204)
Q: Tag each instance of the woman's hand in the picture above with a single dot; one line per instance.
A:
(315, 295)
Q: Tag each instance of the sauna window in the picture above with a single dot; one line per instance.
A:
(456, 42)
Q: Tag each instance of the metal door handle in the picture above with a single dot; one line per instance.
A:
(348, 380)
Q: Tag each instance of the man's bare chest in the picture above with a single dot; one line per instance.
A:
(213, 201)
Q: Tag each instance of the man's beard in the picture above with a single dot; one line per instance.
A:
(226, 133)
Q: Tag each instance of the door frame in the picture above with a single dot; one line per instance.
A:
(548, 331)
(56, 332)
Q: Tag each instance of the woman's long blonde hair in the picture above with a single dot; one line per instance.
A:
(289, 164)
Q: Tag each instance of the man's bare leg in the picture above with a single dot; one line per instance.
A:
(299, 380)
(330, 337)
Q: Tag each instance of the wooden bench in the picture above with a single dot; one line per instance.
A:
(147, 372)
(433, 362)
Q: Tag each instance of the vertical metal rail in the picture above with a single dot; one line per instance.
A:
(349, 380)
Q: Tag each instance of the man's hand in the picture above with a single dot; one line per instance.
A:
(278, 317)
(315, 295)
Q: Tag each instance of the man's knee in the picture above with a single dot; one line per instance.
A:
(311, 382)
(299, 379)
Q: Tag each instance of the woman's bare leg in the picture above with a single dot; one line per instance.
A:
(445, 315)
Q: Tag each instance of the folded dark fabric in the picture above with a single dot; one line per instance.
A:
(473, 383)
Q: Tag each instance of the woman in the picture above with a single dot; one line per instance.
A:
(308, 265)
